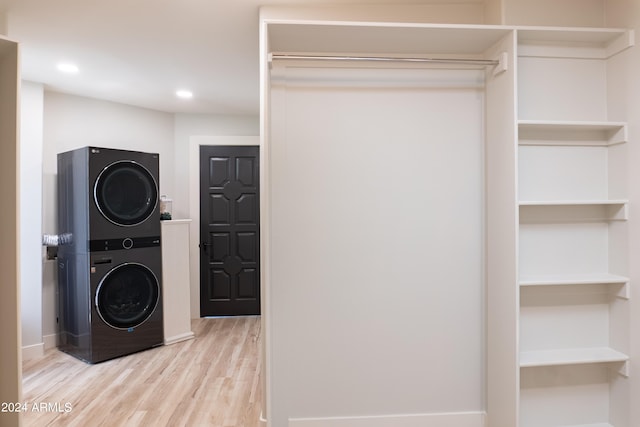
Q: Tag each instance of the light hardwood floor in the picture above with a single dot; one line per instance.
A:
(211, 380)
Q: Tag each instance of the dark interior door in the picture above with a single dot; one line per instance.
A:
(229, 231)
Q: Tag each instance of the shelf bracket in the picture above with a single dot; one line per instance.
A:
(503, 63)
(624, 292)
(620, 44)
(624, 369)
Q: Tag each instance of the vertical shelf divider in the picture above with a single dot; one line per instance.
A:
(502, 225)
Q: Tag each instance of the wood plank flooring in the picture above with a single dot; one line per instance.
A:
(211, 380)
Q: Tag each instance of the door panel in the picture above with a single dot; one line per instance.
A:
(247, 246)
(229, 231)
(218, 210)
(246, 208)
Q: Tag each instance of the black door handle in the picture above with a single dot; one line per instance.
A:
(204, 245)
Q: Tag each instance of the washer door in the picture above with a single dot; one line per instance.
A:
(125, 193)
(127, 296)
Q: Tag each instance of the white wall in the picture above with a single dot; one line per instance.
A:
(376, 291)
(445, 12)
(578, 13)
(31, 250)
(3, 23)
(494, 12)
(72, 122)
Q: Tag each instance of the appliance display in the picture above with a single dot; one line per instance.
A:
(110, 261)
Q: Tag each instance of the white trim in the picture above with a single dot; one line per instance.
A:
(50, 341)
(454, 419)
(34, 351)
(179, 338)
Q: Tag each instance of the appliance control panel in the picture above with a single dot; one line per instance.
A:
(126, 243)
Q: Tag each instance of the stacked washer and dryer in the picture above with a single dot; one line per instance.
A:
(109, 256)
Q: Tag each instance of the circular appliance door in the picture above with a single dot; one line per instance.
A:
(127, 296)
(125, 193)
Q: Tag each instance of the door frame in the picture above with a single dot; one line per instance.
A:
(194, 205)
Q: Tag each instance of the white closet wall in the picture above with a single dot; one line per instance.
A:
(377, 251)
(575, 13)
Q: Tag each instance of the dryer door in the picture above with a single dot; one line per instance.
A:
(127, 296)
(125, 193)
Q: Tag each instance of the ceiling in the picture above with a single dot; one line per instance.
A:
(139, 52)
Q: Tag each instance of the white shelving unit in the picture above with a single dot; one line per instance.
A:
(572, 250)
(557, 286)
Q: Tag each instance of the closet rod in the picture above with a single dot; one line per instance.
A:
(464, 61)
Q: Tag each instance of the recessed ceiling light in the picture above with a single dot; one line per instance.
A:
(184, 94)
(67, 67)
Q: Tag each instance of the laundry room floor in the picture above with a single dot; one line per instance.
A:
(211, 380)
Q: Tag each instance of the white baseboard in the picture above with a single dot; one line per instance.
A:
(50, 341)
(32, 351)
(177, 338)
(454, 419)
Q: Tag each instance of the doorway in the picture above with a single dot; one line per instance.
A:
(229, 231)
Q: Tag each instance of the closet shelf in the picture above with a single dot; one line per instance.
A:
(573, 211)
(571, 133)
(583, 279)
(568, 35)
(382, 38)
(592, 425)
(594, 43)
(573, 202)
(619, 285)
(574, 356)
